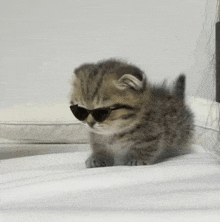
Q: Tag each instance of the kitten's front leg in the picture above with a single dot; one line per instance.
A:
(99, 160)
(100, 157)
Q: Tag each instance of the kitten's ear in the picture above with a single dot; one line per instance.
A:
(128, 80)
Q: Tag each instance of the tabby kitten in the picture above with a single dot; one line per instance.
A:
(130, 121)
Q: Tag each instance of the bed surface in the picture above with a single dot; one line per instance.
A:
(58, 187)
(43, 174)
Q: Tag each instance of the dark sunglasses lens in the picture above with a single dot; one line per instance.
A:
(101, 114)
(79, 112)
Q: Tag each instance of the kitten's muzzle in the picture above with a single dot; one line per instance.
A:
(91, 122)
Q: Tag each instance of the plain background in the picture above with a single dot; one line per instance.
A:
(43, 41)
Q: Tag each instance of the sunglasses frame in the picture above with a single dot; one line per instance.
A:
(95, 114)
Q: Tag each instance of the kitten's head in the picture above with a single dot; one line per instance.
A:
(115, 88)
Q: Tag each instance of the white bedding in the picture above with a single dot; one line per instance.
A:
(49, 182)
(58, 187)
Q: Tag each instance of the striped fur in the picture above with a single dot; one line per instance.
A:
(158, 126)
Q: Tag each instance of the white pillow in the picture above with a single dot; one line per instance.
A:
(207, 129)
(41, 123)
(54, 123)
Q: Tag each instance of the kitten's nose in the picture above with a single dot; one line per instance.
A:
(91, 122)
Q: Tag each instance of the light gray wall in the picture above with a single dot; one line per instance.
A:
(42, 42)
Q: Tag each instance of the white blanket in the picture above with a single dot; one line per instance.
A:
(58, 187)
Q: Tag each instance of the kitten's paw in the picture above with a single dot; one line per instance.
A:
(95, 161)
(135, 162)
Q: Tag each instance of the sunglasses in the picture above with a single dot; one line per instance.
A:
(99, 115)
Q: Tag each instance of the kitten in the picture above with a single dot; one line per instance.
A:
(131, 122)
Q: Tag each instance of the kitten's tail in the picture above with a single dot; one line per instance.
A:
(179, 88)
